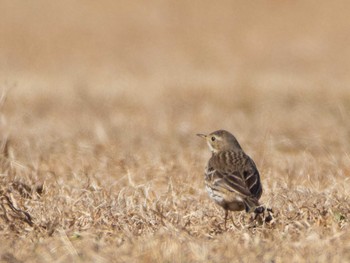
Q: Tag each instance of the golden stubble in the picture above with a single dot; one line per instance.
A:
(99, 160)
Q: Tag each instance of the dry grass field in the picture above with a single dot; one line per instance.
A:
(99, 106)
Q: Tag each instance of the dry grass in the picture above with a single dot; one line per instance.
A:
(99, 161)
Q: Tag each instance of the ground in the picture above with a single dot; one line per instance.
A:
(99, 110)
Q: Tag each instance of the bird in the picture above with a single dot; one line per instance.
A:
(232, 179)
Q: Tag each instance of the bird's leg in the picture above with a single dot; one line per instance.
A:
(240, 220)
(233, 222)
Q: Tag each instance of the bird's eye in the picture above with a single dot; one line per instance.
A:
(212, 138)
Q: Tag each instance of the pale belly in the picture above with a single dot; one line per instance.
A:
(232, 202)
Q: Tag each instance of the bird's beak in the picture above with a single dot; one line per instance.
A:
(201, 135)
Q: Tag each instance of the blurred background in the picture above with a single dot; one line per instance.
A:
(167, 43)
(258, 68)
(100, 102)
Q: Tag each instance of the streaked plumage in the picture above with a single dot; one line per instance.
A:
(231, 177)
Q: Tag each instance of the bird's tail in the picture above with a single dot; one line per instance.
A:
(251, 203)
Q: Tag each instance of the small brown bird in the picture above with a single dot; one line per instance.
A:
(231, 177)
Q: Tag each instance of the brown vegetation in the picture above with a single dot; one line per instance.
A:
(100, 104)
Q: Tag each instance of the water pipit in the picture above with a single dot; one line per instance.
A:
(231, 177)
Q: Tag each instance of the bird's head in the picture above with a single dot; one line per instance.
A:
(221, 140)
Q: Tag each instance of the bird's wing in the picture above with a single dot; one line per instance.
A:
(235, 172)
